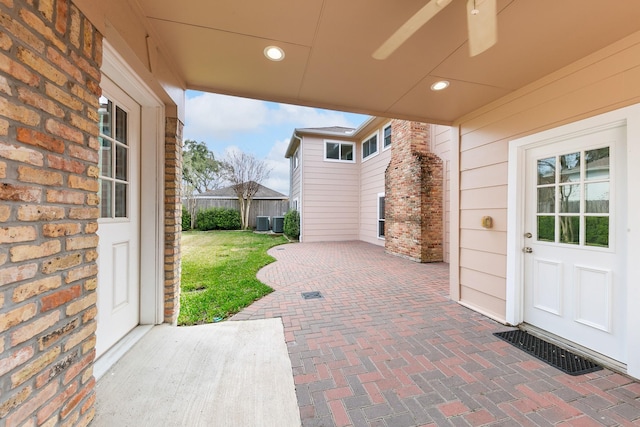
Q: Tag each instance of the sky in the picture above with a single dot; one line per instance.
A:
(260, 128)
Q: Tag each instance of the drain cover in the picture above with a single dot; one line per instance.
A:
(311, 295)
(555, 356)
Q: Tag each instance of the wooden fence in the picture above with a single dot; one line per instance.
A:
(259, 207)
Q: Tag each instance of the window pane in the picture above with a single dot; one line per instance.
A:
(570, 167)
(546, 229)
(106, 159)
(547, 200)
(570, 199)
(374, 144)
(381, 228)
(387, 136)
(121, 162)
(597, 163)
(105, 199)
(570, 229)
(333, 150)
(381, 212)
(547, 171)
(347, 152)
(121, 199)
(105, 116)
(121, 125)
(597, 197)
(597, 231)
(365, 149)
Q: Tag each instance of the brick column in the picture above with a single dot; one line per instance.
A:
(413, 195)
(173, 218)
(50, 58)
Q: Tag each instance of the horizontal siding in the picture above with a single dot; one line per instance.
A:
(441, 146)
(602, 82)
(372, 183)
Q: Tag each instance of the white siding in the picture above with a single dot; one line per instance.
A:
(372, 183)
(441, 146)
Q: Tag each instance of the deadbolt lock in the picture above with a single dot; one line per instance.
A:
(528, 235)
(527, 250)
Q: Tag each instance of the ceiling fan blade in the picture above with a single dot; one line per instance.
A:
(482, 23)
(407, 29)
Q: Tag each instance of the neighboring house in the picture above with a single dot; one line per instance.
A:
(92, 102)
(266, 202)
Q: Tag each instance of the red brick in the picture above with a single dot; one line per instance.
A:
(62, 12)
(5, 42)
(77, 368)
(88, 68)
(59, 298)
(38, 64)
(55, 336)
(12, 26)
(15, 400)
(29, 370)
(66, 165)
(45, 7)
(40, 102)
(18, 113)
(80, 336)
(74, 28)
(452, 409)
(32, 137)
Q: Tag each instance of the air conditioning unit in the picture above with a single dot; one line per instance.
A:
(278, 224)
(262, 223)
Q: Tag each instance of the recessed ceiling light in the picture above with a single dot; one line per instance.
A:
(442, 84)
(274, 53)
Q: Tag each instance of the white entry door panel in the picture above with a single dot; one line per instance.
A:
(119, 225)
(574, 243)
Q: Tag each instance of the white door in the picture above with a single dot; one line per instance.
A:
(574, 242)
(119, 223)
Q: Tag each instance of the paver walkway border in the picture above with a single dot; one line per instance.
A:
(386, 347)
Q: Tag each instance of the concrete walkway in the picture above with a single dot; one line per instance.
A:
(228, 374)
(385, 347)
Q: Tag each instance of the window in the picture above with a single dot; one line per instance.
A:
(114, 160)
(295, 160)
(573, 198)
(386, 132)
(339, 151)
(381, 216)
(370, 146)
(294, 205)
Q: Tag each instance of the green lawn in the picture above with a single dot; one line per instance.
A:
(219, 273)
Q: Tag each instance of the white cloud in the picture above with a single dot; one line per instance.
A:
(211, 115)
(279, 177)
(308, 117)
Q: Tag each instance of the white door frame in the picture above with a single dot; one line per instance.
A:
(630, 116)
(151, 183)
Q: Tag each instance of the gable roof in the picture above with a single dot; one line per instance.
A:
(229, 193)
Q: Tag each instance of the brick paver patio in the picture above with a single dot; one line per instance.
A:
(385, 347)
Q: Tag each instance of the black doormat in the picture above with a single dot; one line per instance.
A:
(311, 295)
(555, 356)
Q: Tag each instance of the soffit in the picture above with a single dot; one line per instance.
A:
(217, 46)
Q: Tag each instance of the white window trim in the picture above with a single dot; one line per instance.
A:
(375, 153)
(378, 219)
(296, 159)
(386, 147)
(339, 142)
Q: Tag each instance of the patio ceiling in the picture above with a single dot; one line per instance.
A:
(218, 47)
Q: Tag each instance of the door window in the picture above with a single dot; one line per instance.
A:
(114, 160)
(573, 198)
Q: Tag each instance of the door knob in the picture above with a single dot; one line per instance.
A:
(527, 250)
(528, 235)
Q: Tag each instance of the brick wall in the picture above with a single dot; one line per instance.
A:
(49, 86)
(413, 195)
(173, 218)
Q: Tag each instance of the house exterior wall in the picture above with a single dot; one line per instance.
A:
(172, 218)
(371, 184)
(295, 189)
(601, 82)
(331, 192)
(50, 57)
(441, 146)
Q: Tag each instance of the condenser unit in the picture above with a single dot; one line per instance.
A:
(278, 224)
(262, 223)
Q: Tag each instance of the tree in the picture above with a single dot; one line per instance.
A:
(245, 173)
(200, 169)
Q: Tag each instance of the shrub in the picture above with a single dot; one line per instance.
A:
(218, 219)
(292, 224)
(186, 220)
